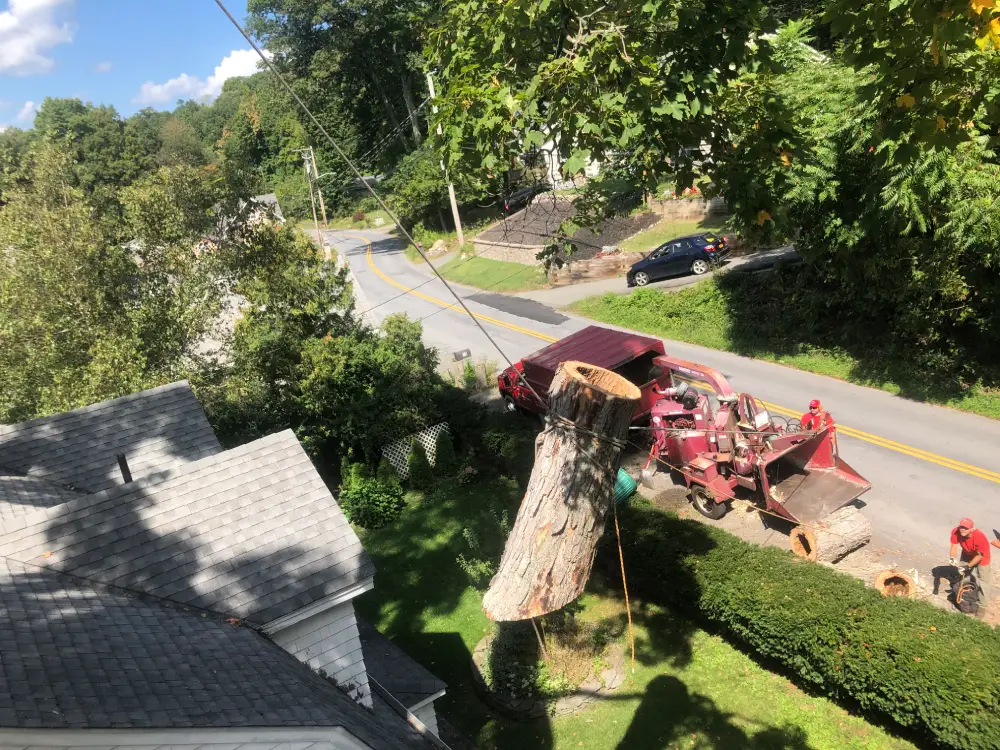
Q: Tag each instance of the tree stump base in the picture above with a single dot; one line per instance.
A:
(833, 538)
(895, 583)
(593, 689)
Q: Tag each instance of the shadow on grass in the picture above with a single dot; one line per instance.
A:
(669, 713)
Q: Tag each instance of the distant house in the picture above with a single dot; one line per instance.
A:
(152, 583)
(269, 203)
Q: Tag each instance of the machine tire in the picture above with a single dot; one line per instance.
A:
(705, 505)
(700, 267)
(641, 278)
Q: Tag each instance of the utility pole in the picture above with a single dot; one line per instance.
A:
(312, 197)
(451, 187)
(319, 190)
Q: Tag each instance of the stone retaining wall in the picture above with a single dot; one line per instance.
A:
(511, 253)
(589, 270)
(687, 208)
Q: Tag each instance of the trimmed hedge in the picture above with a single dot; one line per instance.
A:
(931, 670)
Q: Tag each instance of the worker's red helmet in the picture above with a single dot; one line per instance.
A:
(966, 523)
(814, 404)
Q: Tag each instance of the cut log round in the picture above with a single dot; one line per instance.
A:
(895, 583)
(831, 539)
(548, 556)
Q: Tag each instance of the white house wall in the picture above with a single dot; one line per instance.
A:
(328, 642)
(428, 717)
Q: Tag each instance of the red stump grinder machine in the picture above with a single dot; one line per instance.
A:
(739, 448)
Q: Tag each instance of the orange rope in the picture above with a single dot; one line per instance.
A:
(628, 607)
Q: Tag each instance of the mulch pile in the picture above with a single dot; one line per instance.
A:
(538, 223)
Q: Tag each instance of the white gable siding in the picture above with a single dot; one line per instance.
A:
(328, 642)
(428, 717)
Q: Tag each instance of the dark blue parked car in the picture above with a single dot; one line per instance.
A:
(695, 254)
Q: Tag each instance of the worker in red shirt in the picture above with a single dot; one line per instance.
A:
(976, 554)
(816, 418)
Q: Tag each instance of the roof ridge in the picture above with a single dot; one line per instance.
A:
(176, 385)
(171, 471)
(100, 586)
(46, 480)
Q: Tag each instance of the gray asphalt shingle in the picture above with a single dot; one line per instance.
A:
(77, 655)
(252, 532)
(20, 494)
(79, 448)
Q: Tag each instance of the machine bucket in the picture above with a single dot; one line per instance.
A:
(808, 482)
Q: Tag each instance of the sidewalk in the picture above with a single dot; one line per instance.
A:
(561, 296)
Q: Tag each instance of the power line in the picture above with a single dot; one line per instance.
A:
(550, 419)
(354, 169)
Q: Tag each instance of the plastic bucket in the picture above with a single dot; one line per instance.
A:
(625, 487)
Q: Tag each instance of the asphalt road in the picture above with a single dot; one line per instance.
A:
(929, 465)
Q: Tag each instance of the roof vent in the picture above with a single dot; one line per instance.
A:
(123, 465)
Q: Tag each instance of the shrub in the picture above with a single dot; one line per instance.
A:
(351, 474)
(358, 217)
(929, 669)
(371, 504)
(421, 475)
(386, 472)
(469, 380)
(467, 475)
(444, 453)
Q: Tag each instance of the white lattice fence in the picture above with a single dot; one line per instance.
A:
(396, 453)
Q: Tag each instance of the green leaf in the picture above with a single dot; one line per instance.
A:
(576, 162)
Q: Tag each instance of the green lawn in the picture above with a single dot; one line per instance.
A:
(690, 689)
(495, 275)
(700, 315)
(668, 229)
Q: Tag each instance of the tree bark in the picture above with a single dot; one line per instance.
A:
(549, 553)
(411, 108)
(831, 539)
(390, 112)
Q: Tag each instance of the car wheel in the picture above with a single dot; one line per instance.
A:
(641, 278)
(700, 266)
(509, 404)
(705, 504)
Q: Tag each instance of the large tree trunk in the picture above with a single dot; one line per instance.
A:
(390, 112)
(832, 538)
(411, 107)
(548, 556)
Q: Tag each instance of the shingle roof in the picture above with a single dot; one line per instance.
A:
(395, 670)
(251, 532)
(78, 448)
(74, 655)
(20, 494)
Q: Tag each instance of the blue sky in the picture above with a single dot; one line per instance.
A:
(127, 53)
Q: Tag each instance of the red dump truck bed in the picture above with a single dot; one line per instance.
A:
(628, 354)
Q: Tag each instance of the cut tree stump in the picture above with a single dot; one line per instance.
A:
(895, 583)
(833, 538)
(548, 556)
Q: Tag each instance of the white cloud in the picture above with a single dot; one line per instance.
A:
(104, 67)
(27, 112)
(4, 127)
(240, 62)
(28, 30)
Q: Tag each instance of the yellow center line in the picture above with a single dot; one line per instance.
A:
(908, 450)
(442, 303)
